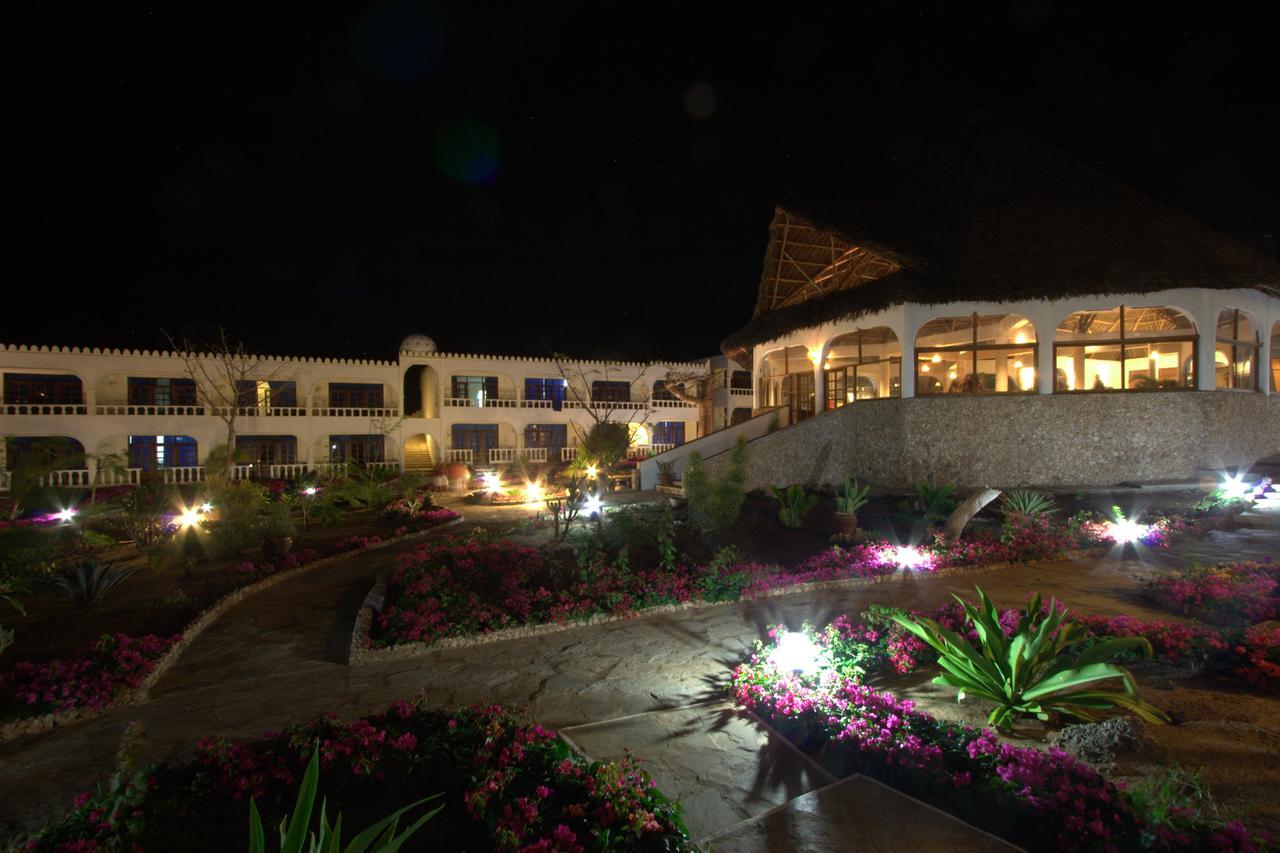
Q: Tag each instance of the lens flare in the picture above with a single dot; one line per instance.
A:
(492, 482)
(1235, 487)
(592, 505)
(795, 652)
(65, 515)
(1127, 531)
(910, 557)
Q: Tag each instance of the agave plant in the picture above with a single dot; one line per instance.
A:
(853, 498)
(89, 582)
(295, 837)
(796, 503)
(1035, 670)
(934, 503)
(1026, 502)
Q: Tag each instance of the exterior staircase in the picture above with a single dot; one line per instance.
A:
(417, 457)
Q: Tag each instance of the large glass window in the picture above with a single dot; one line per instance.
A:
(740, 379)
(551, 436)
(668, 432)
(36, 388)
(271, 394)
(786, 379)
(355, 395)
(357, 448)
(149, 452)
(863, 365)
(476, 389)
(1125, 349)
(610, 392)
(976, 354)
(545, 389)
(1235, 356)
(56, 452)
(479, 438)
(145, 391)
(268, 449)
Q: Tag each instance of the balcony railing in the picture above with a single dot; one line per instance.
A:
(535, 454)
(567, 454)
(672, 404)
(45, 409)
(343, 412)
(194, 474)
(130, 409)
(271, 411)
(501, 455)
(740, 392)
(459, 454)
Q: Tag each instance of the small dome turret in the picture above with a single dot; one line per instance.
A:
(417, 343)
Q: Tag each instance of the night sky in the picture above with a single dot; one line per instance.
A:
(549, 179)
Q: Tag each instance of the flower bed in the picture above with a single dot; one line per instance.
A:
(86, 682)
(506, 785)
(1036, 799)
(1234, 593)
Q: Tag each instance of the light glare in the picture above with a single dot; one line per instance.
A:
(65, 514)
(1235, 487)
(1127, 531)
(591, 506)
(492, 482)
(911, 557)
(795, 652)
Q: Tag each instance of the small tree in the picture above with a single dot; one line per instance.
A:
(219, 373)
(44, 456)
(609, 428)
(106, 461)
(715, 504)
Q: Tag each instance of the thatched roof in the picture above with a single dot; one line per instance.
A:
(993, 215)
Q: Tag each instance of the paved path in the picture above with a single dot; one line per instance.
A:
(279, 656)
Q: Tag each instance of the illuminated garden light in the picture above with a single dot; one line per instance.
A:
(65, 515)
(206, 507)
(797, 653)
(910, 557)
(533, 491)
(492, 482)
(1235, 488)
(1125, 531)
(591, 506)
(189, 518)
(592, 472)
(310, 491)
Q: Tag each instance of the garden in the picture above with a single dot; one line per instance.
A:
(97, 587)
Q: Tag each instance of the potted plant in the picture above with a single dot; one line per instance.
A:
(667, 473)
(455, 471)
(848, 502)
(277, 530)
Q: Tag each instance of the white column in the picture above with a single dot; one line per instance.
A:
(907, 340)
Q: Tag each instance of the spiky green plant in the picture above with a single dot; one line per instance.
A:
(1035, 670)
(934, 503)
(1025, 502)
(794, 504)
(89, 582)
(295, 837)
(853, 498)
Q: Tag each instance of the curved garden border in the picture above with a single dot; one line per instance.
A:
(197, 626)
(361, 653)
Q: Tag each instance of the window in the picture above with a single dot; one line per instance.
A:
(661, 392)
(252, 394)
(740, 379)
(477, 389)
(551, 436)
(976, 354)
(668, 432)
(1125, 349)
(268, 449)
(863, 365)
(1235, 354)
(149, 452)
(42, 388)
(355, 395)
(357, 449)
(603, 391)
(787, 380)
(145, 391)
(546, 389)
(479, 438)
(53, 451)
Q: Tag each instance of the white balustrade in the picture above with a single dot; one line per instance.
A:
(287, 470)
(271, 411)
(45, 409)
(182, 475)
(459, 454)
(242, 472)
(671, 404)
(740, 392)
(385, 465)
(327, 468)
(498, 455)
(131, 410)
(66, 477)
(660, 448)
(568, 454)
(487, 402)
(341, 412)
(535, 454)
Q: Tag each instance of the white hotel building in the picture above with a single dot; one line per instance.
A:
(424, 409)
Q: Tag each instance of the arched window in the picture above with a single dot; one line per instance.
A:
(1125, 349)
(863, 365)
(976, 354)
(786, 379)
(1235, 354)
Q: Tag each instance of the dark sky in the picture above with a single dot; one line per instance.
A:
(529, 178)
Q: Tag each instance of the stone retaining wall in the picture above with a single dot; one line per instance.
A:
(1036, 440)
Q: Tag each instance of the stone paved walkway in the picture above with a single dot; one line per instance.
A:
(279, 656)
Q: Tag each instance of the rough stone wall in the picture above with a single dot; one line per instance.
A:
(1043, 440)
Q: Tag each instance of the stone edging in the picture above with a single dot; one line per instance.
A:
(360, 653)
(194, 628)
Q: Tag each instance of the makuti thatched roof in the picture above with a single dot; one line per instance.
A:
(992, 215)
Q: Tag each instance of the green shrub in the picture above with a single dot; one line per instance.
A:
(853, 498)
(794, 504)
(715, 504)
(932, 504)
(1028, 672)
(278, 523)
(87, 583)
(1025, 503)
(295, 838)
(606, 443)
